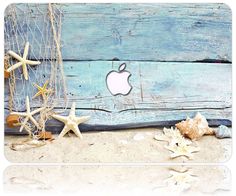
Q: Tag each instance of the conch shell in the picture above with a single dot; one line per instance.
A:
(195, 128)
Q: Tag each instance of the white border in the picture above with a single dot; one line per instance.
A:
(4, 163)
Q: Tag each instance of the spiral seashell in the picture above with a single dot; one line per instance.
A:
(195, 128)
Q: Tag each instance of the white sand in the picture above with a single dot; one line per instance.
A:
(117, 180)
(117, 146)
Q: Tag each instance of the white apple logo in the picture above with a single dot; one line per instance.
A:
(118, 82)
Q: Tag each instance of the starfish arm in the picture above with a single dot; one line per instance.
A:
(170, 148)
(25, 71)
(36, 95)
(64, 131)
(161, 138)
(77, 132)
(60, 118)
(175, 154)
(29, 62)
(188, 155)
(19, 113)
(72, 110)
(14, 66)
(82, 119)
(38, 87)
(34, 121)
(37, 111)
(16, 56)
(26, 50)
(23, 124)
(27, 104)
(45, 85)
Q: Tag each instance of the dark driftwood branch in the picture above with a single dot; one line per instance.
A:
(55, 126)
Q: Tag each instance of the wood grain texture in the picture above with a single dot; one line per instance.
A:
(162, 91)
(138, 32)
(151, 39)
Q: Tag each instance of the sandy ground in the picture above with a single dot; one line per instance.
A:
(118, 180)
(118, 146)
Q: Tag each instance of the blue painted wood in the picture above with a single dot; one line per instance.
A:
(141, 32)
(162, 91)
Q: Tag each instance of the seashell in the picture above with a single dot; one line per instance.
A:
(195, 128)
(6, 74)
(26, 145)
(44, 135)
(12, 120)
(223, 132)
(138, 137)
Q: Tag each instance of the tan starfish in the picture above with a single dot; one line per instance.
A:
(28, 115)
(71, 122)
(42, 90)
(182, 150)
(23, 61)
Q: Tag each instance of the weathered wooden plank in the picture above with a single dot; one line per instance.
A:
(161, 92)
(141, 32)
(155, 85)
(56, 127)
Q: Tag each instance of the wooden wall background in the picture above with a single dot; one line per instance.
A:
(179, 56)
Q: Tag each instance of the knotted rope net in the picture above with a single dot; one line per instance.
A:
(40, 25)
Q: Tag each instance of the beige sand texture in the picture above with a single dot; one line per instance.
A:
(130, 146)
(118, 180)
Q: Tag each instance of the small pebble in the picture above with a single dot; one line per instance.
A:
(223, 132)
(123, 141)
(138, 137)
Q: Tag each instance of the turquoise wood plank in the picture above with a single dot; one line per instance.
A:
(162, 91)
(140, 32)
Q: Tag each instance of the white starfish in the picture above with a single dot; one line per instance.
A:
(28, 115)
(172, 136)
(71, 122)
(182, 150)
(180, 181)
(23, 61)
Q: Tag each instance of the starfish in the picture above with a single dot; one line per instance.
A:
(182, 150)
(71, 122)
(28, 115)
(23, 61)
(180, 181)
(172, 136)
(42, 90)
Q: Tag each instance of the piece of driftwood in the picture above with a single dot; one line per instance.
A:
(56, 127)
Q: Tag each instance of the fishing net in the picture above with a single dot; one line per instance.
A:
(40, 25)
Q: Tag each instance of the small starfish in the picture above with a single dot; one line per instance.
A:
(182, 150)
(23, 61)
(172, 136)
(71, 122)
(42, 90)
(180, 181)
(28, 115)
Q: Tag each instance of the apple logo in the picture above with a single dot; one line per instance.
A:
(118, 82)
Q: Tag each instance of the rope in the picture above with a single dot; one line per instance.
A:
(57, 42)
(22, 25)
